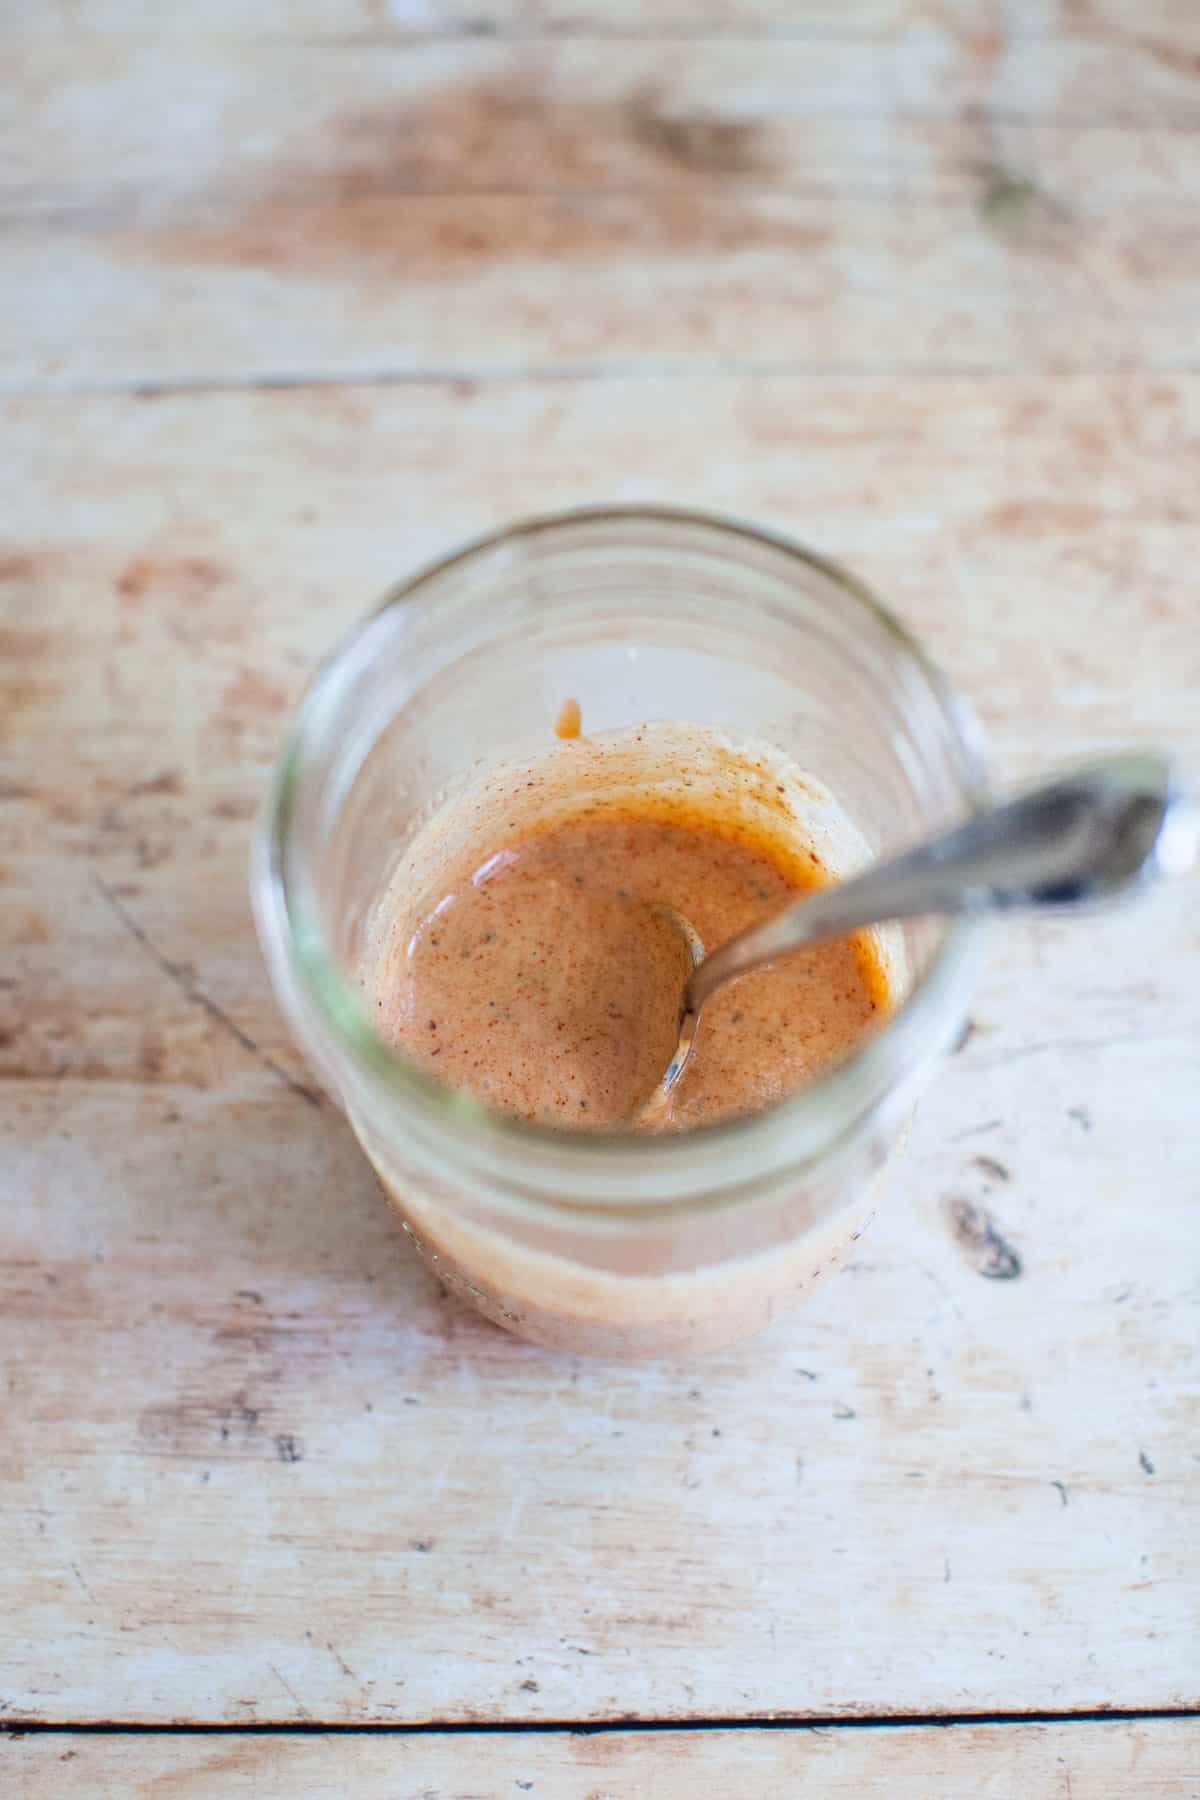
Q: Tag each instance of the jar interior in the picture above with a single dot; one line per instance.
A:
(640, 618)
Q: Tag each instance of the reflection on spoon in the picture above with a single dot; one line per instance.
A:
(655, 1107)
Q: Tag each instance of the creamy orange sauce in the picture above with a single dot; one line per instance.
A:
(539, 975)
(569, 723)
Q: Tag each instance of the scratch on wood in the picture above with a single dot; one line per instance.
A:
(197, 996)
(343, 1665)
(1063, 1495)
(78, 1574)
(290, 1691)
(932, 1276)
(1111, 1040)
(977, 1130)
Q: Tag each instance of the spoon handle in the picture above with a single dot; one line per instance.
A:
(1083, 838)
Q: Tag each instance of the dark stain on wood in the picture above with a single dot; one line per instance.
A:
(1018, 212)
(514, 134)
(169, 782)
(1004, 197)
(697, 142)
(976, 1231)
(135, 579)
(194, 1426)
(442, 187)
(1173, 57)
(235, 806)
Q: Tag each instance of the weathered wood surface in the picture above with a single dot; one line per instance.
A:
(1111, 1761)
(255, 1468)
(972, 188)
(252, 1467)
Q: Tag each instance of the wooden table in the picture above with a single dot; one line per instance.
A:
(290, 305)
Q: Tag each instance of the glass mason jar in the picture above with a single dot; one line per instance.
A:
(612, 1244)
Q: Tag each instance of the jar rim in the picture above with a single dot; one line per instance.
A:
(810, 1122)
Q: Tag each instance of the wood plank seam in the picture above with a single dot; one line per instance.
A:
(581, 374)
(309, 1726)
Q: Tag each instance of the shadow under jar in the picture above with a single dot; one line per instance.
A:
(618, 1244)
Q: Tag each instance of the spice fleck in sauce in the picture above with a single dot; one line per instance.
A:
(536, 972)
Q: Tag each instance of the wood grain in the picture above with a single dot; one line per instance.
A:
(938, 199)
(404, 21)
(1166, 26)
(295, 299)
(1073, 1762)
(249, 1474)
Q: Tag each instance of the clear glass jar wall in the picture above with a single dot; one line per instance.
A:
(619, 1245)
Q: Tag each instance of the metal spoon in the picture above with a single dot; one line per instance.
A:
(1081, 839)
